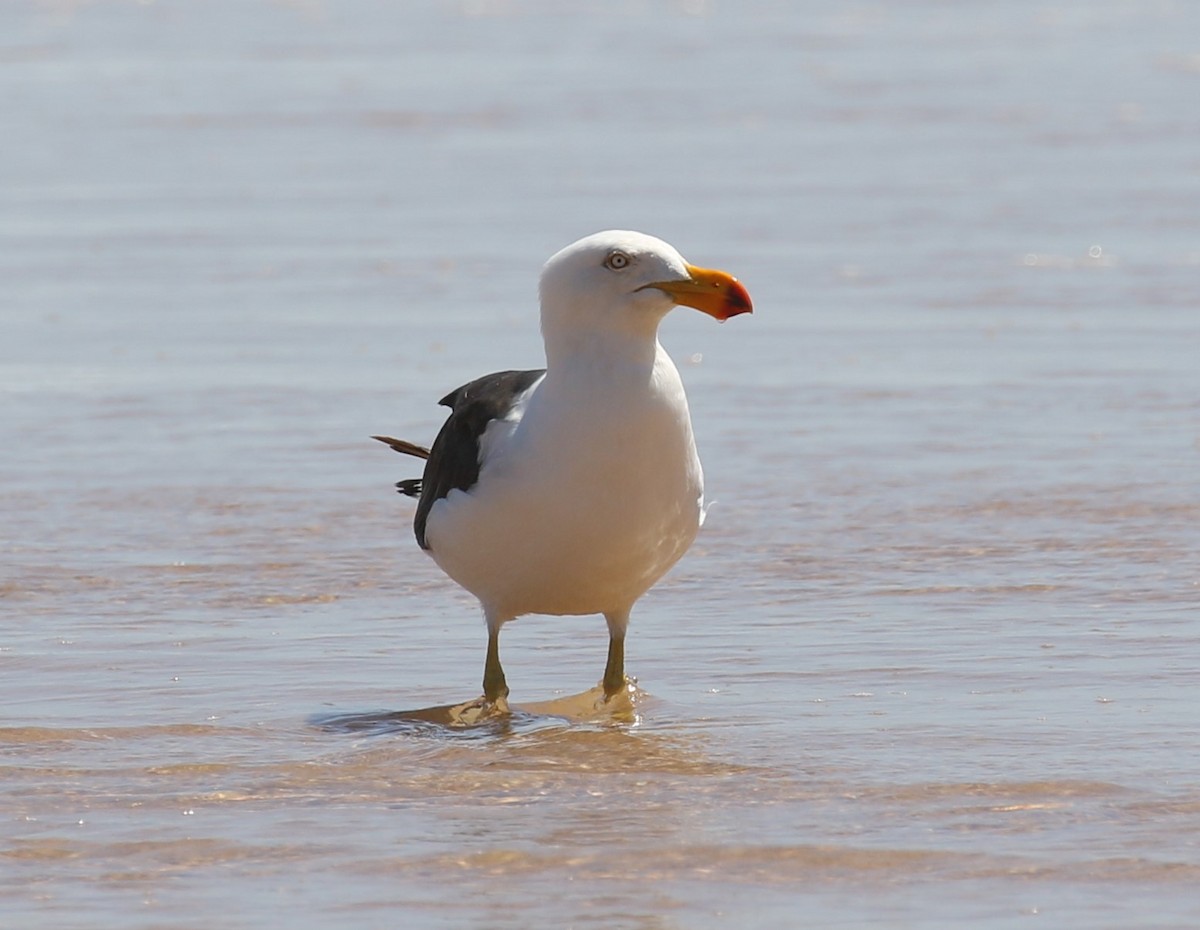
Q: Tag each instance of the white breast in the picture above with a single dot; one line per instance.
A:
(583, 503)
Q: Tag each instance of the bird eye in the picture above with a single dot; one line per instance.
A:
(616, 261)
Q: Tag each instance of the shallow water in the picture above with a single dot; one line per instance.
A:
(932, 662)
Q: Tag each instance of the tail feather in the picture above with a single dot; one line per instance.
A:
(404, 447)
(410, 487)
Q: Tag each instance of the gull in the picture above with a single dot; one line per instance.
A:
(573, 489)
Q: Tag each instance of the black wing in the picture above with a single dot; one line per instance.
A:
(454, 457)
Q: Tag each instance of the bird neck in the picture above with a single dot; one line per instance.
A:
(602, 355)
(626, 341)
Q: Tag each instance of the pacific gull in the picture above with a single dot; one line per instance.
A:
(574, 488)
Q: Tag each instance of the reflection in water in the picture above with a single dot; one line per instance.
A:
(480, 719)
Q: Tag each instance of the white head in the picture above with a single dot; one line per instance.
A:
(621, 284)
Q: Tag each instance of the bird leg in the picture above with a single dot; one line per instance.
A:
(495, 688)
(614, 671)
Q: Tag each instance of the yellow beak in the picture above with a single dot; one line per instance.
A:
(716, 293)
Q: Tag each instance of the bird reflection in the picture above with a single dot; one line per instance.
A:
(481, 718)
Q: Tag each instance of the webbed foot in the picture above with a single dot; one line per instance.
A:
(478, 711)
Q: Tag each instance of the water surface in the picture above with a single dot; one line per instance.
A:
(932, 662)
